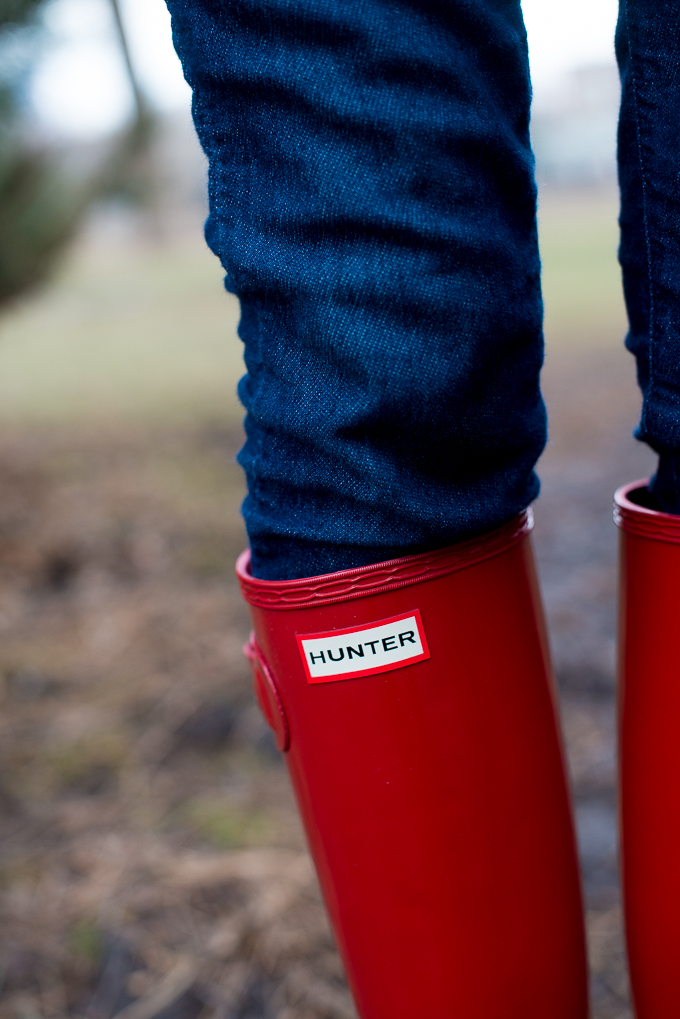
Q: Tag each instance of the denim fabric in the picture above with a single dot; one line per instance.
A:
(648, 51)
(373, 204)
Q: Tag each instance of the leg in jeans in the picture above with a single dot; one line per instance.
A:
(373, 204)
(648, 51)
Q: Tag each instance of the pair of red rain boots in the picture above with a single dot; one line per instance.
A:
(414, 704)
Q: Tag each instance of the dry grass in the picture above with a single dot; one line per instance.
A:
(151, 859)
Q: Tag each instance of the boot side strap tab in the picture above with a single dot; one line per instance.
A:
(267, 694)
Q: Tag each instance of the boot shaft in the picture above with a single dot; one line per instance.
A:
(413, 703)
(649, 747)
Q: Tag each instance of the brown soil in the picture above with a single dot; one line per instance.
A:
(151, 856)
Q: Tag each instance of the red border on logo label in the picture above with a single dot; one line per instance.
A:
(388, 667)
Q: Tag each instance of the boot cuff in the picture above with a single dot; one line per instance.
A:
(379, 577)
(632, 516)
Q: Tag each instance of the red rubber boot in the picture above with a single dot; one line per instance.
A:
(649, 749)
(413, 701)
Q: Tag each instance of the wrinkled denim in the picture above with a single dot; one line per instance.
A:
(648, 52)
(372, 202)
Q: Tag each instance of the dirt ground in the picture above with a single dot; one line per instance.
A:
(151, 860)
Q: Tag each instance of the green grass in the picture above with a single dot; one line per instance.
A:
(581, 277)
(148, 333)
(143, 333)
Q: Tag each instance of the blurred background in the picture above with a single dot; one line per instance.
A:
(151, 861)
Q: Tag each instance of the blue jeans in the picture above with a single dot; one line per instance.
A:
(373, 204)
(648, 52)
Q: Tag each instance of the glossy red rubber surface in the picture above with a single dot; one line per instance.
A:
(649, 677)
(433, 794)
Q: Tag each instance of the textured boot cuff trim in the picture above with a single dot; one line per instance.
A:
(379, 577)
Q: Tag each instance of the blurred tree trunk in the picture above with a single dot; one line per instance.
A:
(42, 204)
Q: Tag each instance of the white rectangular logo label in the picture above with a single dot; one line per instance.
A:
(363, 651)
